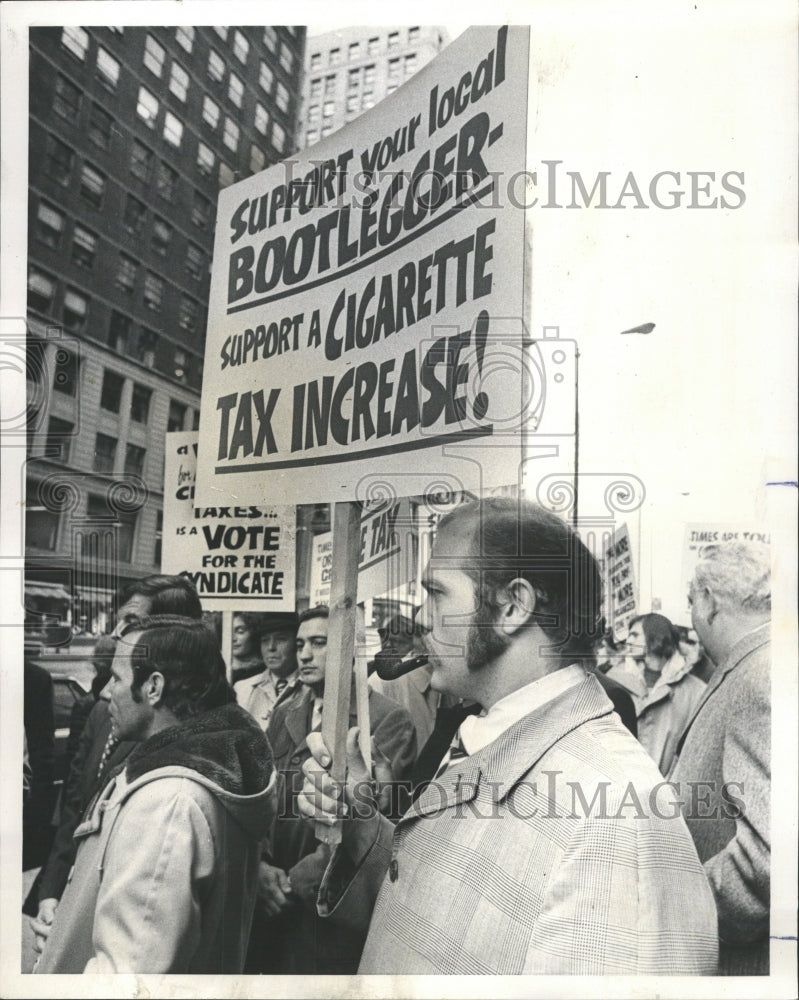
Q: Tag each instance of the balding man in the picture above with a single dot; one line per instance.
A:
(725, 755)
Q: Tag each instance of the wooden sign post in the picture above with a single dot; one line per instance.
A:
(340, 646)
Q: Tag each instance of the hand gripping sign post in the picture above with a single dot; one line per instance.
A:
(368, 310)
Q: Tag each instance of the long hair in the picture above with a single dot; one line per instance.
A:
(187, 653)
(661, 636)
(518, 539)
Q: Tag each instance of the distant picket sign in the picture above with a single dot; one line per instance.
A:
(621, 593)
(368, 296)
(240, 556)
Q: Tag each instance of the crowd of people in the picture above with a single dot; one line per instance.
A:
(539, 800)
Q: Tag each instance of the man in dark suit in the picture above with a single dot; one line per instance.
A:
(288, 937)
(98, 753)
(726, 749)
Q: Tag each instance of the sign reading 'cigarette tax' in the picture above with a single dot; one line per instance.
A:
(239, 556)
(368, 297)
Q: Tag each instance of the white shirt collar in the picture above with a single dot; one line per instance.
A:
(477, 731)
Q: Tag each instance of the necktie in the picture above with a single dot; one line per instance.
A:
(456, 752)
(280, 685)
(316, 718)
(110, 745)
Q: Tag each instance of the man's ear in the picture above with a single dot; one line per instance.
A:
(153, 687)
(517, 606)
(712, 604)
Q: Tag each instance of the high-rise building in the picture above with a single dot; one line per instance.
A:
(132, 133)
(350, 70)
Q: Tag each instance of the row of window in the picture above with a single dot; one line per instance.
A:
(185, 36)
(51, 224)
(356, 50)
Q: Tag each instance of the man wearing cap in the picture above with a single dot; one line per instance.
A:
(259, 694)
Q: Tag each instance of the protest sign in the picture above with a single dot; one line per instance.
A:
(368, 297)
(238, 556)
(621, 595)
(386, 553)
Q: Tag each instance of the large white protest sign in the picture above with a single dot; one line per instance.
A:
(386, 555)
(368, 297)
(238, 556)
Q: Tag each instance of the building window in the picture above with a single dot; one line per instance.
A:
(41, 291)
(286, 58)
(177, 416)
(181, 363)
(179, 81)
(265, 78)
(126, 274)
(105, 453)
(413, 35)
(134, 459)
(49, 225)
(75, 308)
(369, 75)
(330, 85)
(410, 64)
(354, 51)
(154, 56)
(353, 103)
(195, 417)
(59, 160)
(119, 327)
(241, 47)
(41, 524)
(100, 123)
(67, 372)
(230, 136)
(107, 69)
(166, 181)
(194, 262)
(140, 403)
(278, 137)
(316, 60)
(210, 112)
(314, 114)
(189, 313)
(76, 41)
(312, 136)
(59, 433)
(393, 40)
(146, 346)
(205, 159)
(84, 247)
(373, 46)
(161, 237)
(153, 292)
(282, 97)
(200, 211)
(135, 214)
(393, 69)
(261, 118)
(315, 91)
(92, 185)
(147, 107)
(66, 99)
(173, 129)
(329, 109)
(226, 175)
(334, 57)
(353, 79)
(111, 393)
(235, 89)
(326, 130)
(216, 66)
(221, 31)
(185, 37)
(368, 101)
(257, 159)
(141, 161)
(270, 38)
